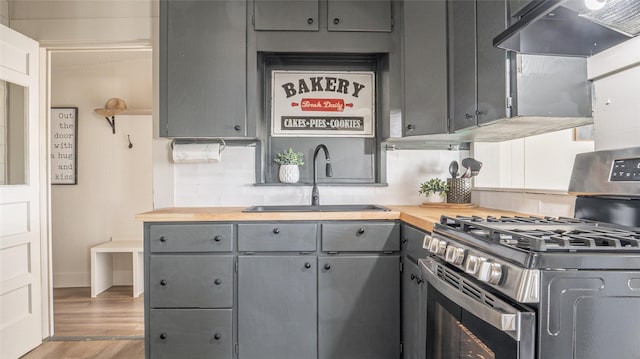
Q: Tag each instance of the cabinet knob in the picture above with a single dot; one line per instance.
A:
(163, 239)
(163, 336)
(217, 336)
(307, 265)
(327, 266)
(419, 281)
(412, 276)
(310, 21)
(217, 282)
(163, 282)
(404, 240)
(217, 238)
(276, 230)
(237, 127)
(336, 21)
(360, 231)
(411, 127)
(468, 117)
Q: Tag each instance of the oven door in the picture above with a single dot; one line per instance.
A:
(466, 321)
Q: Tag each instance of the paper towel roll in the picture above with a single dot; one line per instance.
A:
(196, 153)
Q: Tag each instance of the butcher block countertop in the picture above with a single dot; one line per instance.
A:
(420, 217)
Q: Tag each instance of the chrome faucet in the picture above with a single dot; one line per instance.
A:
(315, 195)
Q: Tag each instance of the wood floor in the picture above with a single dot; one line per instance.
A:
(109, 326)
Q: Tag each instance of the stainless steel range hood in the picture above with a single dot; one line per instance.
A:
(567, 27)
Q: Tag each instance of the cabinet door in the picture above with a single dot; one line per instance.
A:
(425, 68)
(277, 306)
(358, 15)
(358, 307)
(203, 68)
(297, 15)
(492, 92)
(462, 47)
(190, 333)
(414, 321)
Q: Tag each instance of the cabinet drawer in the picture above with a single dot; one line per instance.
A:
(190, 333)
(360, 236)
(413, 239)
(295, 237)
(190, 281)
(191, 237)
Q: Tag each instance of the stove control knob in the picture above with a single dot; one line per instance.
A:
(442, 247)
(426, 241)
(454, 255)
(433, 245)
(472, 264)
(490, 272)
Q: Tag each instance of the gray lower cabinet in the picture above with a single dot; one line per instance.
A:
(203, 68)
(189, 333)
(277, 306)
(414, 315)
(358, 307)
(414, 321)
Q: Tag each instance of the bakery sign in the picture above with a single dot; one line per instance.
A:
(323, 103)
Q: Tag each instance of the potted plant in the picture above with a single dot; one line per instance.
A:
(289, 162)
(435, 189)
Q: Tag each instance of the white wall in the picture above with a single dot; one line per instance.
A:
(616, 79)
(231, 182)
(114, 182)
(80, 22)
(536, 162)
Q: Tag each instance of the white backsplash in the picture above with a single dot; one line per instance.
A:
(231, 182)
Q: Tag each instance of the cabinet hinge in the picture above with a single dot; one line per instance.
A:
(332, 252)
(235, 264)
(237, 349)
(253, 19)
(509, 101)
(401, 348)
(387, 252)
(401, 266)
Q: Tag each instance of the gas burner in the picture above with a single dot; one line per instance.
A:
(541, 234)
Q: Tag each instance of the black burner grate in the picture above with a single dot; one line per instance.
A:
(547, 233)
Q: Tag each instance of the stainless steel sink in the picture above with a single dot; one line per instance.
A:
(321, 208)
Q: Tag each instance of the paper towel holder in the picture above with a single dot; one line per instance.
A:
(223, 144)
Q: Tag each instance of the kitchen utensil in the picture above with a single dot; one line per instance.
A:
(453, 169)
(466, 173)
(473, 165)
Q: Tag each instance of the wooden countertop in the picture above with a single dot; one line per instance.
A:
(420, 217)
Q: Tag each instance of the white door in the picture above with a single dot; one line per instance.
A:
(20, 286)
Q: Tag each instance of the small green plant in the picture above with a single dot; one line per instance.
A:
(434, 185)
(289, 158)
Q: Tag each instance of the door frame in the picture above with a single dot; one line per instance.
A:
(46, 237)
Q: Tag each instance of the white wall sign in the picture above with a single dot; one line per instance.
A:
(323, 103)
(64, 141)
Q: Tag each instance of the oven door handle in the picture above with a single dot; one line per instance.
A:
(501, 315)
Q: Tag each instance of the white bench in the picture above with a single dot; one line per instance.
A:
(102, 264)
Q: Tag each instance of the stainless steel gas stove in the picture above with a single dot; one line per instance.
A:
(530, 287)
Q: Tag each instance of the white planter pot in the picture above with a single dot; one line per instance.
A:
(289, 173)
(435, 198)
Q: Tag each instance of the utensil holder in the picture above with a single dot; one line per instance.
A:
(459, 190)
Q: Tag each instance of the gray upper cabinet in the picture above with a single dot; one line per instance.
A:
(478, 70)
(341, 15)
(203, 68)
(425, 67)
(300, 15)
(277, 307)
(358, 307)
(358, 15)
